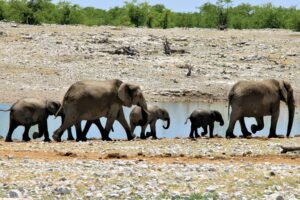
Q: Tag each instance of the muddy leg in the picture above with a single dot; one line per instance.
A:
(153, 130)
(193, 129)
(80, 136)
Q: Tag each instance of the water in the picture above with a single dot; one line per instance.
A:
(178, 113)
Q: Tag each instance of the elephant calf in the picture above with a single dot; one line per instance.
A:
(28, 112)
(203, 118)
(154, 113)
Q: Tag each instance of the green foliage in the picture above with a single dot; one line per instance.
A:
(222, 13)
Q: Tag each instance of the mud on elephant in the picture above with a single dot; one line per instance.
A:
(137, 118)
(258, 99)
(90, 100)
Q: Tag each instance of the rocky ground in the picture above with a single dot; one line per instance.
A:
(45, 60)
(162, 169)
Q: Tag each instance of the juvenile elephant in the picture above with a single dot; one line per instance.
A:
(154, 113)
(258, 99)
(90, 100)
(203, 118)
(28, 112)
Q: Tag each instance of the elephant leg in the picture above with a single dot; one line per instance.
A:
(204, 131)
(70, 135)
(132, 127)
(97, 122)
(245, 132)
(260, 125)
(80, 136)
(196, 133)
(43, 128)
(26, 137)
(211, 130)
(143, 129)
(153, 129)
(193, 129)
(123, 122)
(12, 126)
(274, 120)
(86, 129)
(59, 132)
(233, 118)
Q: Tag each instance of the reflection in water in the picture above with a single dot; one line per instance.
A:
(178, 113)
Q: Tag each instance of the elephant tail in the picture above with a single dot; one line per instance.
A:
(230, 97)
(58, 112)
(186, 120)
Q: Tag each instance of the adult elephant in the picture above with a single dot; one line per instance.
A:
(155, 113)
(31, 111)
(90, 100)
(258, 99)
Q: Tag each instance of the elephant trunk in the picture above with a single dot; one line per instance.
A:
(291, 107)
(168, 124)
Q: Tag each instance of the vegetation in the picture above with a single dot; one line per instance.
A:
(219, 15)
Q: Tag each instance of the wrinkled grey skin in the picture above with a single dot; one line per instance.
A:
(154, 113)
(258, 99)
(28, 112)
(90, 100)
(204, 118)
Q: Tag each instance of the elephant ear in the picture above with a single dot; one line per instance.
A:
(125, 94)
(283, 90)
(52, 107)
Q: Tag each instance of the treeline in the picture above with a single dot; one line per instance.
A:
(222, 15)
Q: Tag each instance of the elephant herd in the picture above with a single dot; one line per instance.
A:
(91, 100)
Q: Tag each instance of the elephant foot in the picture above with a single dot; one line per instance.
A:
(36, 135)
(70, 138)
(203, 134)
(107, 139)
(253, 129)
(131, 137)
(197, 135)
(8, 140)
(230, 135)
(56, 138)
(47, 140)
(192, 137)
(143, 137)
(26, 139)
(148, 134)
(81, 139)
(211, 136)
(273, 136)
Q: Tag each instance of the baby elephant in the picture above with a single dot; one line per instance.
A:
(28, 112)
(137, 117)
(203, 118)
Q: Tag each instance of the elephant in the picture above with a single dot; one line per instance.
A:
(154, 113)
(204, 118)
(92, 99)
(258, 99)
(31, 111)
